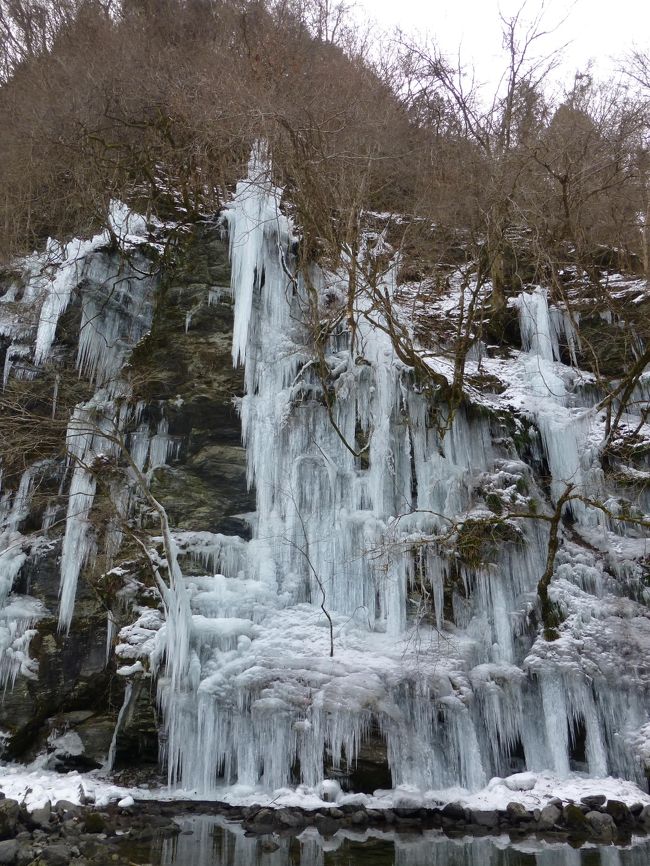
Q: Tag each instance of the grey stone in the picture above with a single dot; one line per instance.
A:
(9, 811)
(644, 817)
(602, 824)
(65, 807)
(41, 817)
(485, 817)
(594, 800)
(26, 855)
(8, 852)
(359, 817)
(290, 819)
(326, 826)
(57, 855)
(619, 812)
(574, 817)
(264, 816)
(454, 811)
(518, 812)
(549, 816)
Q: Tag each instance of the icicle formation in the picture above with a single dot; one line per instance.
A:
(339, 548)
(116, 312)
(116, 304)
(18, 614)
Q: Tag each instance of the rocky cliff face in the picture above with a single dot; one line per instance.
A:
(372, 610)
(66, 682)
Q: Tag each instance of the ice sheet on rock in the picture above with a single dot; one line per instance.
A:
(116, 313)
(18, 619)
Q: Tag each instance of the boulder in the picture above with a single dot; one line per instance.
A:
(454, 811)
(288, 818)
(619, 812)
(602, 825)
(94, 823)
(518, 813)
(574, 818)
(644, 817)
(594, 800)
(41, 817)
(67, 809)
(9, 811)
(57, 855)
(485, 817)
(8, 852)
(549, 816)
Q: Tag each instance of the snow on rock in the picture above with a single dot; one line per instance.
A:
(520, 782)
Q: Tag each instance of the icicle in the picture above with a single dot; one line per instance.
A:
(255, 205)
(78, 542)
(112, 750)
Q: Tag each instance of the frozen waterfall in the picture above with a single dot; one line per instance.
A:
(437, 656)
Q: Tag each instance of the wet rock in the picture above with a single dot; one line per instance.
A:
(290, 819)
(337, 814)
(359, 817)
(549, 816)
(57, 855)
(71, 827)
(9, 811)
(66, 808)
(602, 825)
(518, 813)
(644, 817)
(26, 855)
(269, 846)
(485, 817)
(454, 811)
(8, 852)
(574, 818)
(619, 812)
(41, 817)
(94, 823)
(593, 801)
(407, 812)
(263, 816)
(636, 809)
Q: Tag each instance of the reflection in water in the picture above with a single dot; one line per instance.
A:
(212, 841)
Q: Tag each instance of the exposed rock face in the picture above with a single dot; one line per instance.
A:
(182, 369)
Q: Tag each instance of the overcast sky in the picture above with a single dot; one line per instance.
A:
(598, 30)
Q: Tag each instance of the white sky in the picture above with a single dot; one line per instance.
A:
(598, 30)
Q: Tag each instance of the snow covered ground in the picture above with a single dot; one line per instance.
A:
(35, 786)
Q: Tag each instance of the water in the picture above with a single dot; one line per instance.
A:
(208, 840)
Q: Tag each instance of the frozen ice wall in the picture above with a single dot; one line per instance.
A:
(114, 289)
(342, 614)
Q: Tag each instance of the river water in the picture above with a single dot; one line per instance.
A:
(207, 840)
